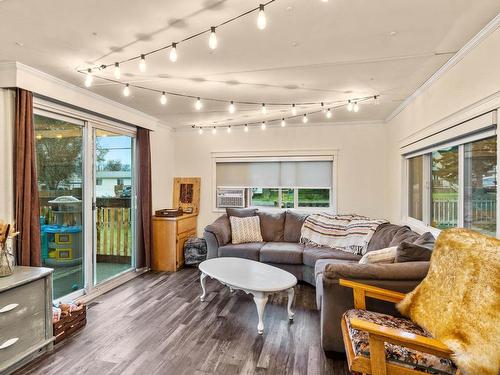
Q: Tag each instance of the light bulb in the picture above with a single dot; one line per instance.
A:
(200, 131)
(263, 109)
(198, 104)
(212, 40)
(328, 113)
(246, 128)
(261, 19)
(283, 123)
(163, 98)
(214, 130)
(323, 109)
(126, 90)
(376, 100)
(229, 129)
(173, 52)
(355, 107)
(263, 125)
(142, 63)
(349, 106)
(231, 107)
(117, 72)
(89, 78)
(294, 110)
(304, 119)
(324, 1)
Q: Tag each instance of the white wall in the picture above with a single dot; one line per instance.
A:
(7, 103)
(162, 167)
(470, 87)
(361, 165)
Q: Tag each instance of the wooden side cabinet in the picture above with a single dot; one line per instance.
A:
(169, 236)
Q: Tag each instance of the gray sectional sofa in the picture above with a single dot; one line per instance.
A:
(319, 266)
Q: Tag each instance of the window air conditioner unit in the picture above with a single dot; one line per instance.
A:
(230, 197)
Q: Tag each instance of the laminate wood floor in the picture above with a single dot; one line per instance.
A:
(155, 324)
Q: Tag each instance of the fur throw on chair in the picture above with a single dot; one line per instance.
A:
(459, 300)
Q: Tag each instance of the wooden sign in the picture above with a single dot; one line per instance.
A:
(187, 194)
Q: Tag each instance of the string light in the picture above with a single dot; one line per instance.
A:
(229, 129)
(246, 128)
(117, 71)
(200, 131)
(198, 104)
(261, 19)
(304, 118)
(212, 39)
(126, 90)
(355, 107)
(349, 106)
(163, 98)
(294, 110)
(142, 63)
(214, 130)
(231, 107)
(263, 109)
(283, 123)
(89, 78)
(323, 109)
(376, 100)
(263, 125)
(328, 113)
(173, 53)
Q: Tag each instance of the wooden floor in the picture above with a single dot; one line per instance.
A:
(155, 324)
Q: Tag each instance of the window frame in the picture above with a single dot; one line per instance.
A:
(425, 223)
(273, 156)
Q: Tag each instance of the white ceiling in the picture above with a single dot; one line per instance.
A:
(310, 50)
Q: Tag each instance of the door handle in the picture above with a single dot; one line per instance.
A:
(8, 308)
(8, 343)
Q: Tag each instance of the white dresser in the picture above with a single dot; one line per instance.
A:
(25, 316)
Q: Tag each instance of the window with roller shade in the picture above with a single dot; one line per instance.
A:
(279, 183)
(455, 183)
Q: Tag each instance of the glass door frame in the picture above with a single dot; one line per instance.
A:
(90, 195)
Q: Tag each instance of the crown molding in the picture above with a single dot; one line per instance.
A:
(455, 59)
(16, 74)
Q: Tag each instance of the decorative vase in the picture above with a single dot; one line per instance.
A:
(6, 261)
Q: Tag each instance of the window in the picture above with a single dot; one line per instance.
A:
(455, 186)
(278, 182)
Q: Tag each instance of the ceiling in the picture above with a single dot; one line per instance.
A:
(310, 51)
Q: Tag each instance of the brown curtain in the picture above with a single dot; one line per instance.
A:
(26, 188)
(144, 201)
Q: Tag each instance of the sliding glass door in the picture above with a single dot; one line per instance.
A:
(113, 204)
(59, 154)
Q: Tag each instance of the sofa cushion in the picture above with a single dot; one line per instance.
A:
(411, 252)
(245, 250)
(313, 253)
(404, 234)
(245, 229)
(241, 212)
(395, 354)
(293, 226)
(282, 252)
(272, 225)
(383, 236)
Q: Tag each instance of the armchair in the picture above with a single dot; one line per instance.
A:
(379, 344)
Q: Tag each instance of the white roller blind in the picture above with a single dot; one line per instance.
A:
(308, 174)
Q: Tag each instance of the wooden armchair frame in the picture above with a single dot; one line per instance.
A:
(377, 335)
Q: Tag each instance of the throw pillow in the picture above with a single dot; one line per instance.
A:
(272, 225)
(426, 240)
(293, 226)
(411, 252)
(241, 212)
(386, 255)
(245, 229)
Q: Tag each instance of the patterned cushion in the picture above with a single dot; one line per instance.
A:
(386, 255)
(245, 229)
(396, 354)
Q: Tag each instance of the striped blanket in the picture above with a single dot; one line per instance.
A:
(350, 233)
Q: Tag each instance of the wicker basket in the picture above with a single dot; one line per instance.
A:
(68, 324)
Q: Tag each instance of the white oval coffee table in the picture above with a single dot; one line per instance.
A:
(252, 277)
